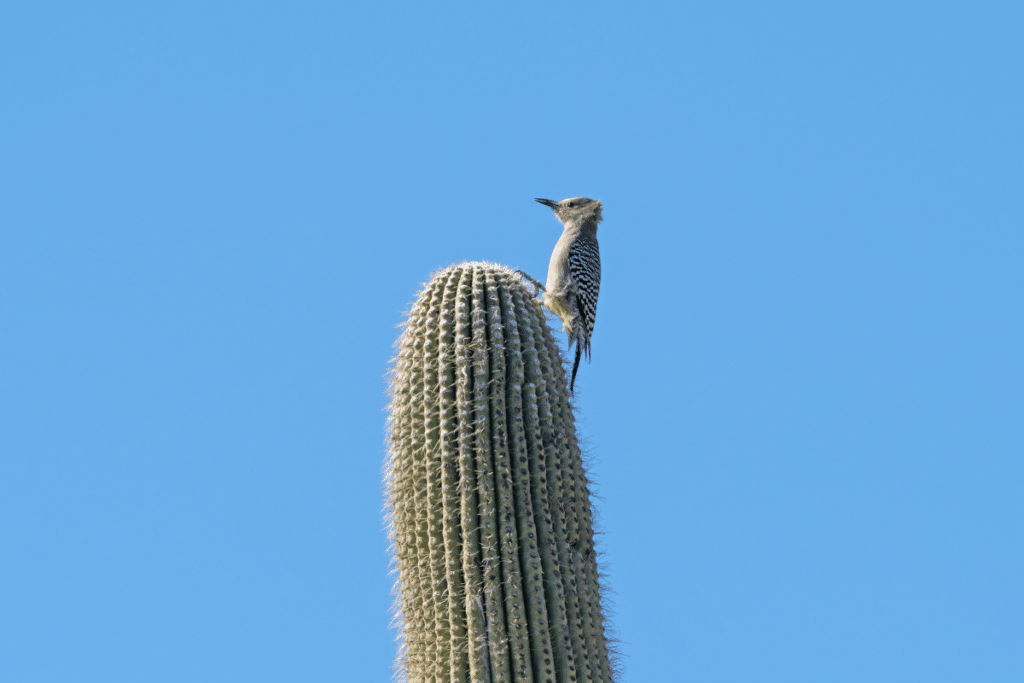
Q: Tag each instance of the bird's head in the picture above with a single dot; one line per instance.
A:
(575, 210)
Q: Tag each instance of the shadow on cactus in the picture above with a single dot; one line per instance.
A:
(488, 503)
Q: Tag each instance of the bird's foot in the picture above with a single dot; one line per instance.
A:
(537, 287)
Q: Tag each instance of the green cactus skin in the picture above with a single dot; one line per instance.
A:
(488, 503)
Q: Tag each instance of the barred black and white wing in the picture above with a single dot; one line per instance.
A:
(585, 270)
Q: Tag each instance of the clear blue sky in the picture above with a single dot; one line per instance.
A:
(806, 403)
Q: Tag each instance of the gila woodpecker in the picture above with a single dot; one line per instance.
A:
(574, 274)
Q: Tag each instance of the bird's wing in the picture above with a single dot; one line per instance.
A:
(585, 269)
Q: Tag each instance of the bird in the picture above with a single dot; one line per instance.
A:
(574, 273)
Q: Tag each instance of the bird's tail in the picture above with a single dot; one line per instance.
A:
(575, 366)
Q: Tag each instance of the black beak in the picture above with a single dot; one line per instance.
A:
(547, 202)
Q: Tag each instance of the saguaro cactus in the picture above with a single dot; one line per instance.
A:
(488, 502)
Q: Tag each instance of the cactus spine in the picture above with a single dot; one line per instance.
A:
(488, 502)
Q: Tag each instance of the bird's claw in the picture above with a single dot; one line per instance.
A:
(537, 287)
